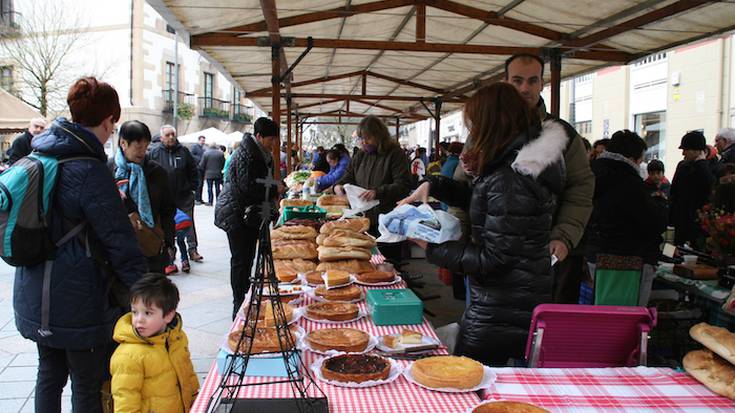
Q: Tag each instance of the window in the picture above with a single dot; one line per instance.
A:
(650, 59)
(169, 82)
(584, 128)
(208, 89)
(652, 128)
(236, 96)
(7, 11)
(6, 78)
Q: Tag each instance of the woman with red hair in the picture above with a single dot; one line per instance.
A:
(74, 333)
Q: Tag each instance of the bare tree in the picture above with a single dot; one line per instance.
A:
(40, 48)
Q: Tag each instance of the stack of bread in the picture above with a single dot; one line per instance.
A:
(293, 249)
(334, 204)
(714, 365)
(344, 245)
(295, 202)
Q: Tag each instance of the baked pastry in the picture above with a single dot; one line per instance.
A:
(717, 339)
(334, 211)
(295, 203)
(348, 293)
(343, 253)
(712, 371)
(355, 368)
(352, 224)
(508, 407)
(294, 232)
(266, 317)
(298, 264)
(336, 277)
(349, 340)
(286, 275)
(351, 266)
(266, 340)
(332, 311)
(315, 277)
(348, 239)
(294, 249)
(453, 372)
(373, 277)
(330, 200)
(411, 337)
(392, 341)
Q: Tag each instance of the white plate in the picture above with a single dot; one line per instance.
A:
(488, 378)
(312, 294)
(425, 341)
(299, 335)
(361, 313)
(298, 312)
(395, 371)
(288, 290)
(396, 280)
(304, 345)
(302, 276)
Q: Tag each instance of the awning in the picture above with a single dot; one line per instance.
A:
(15, 115)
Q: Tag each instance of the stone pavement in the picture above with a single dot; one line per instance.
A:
(206, 302)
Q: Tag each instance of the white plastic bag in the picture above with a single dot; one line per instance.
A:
(357, 204)
(422, 222)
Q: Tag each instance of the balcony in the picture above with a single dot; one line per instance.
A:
(10, 23)
(214, 108)
(185, 101)
(241, 114)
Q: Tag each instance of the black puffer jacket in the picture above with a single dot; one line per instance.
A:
(181, 169)
(507, 260)
(241, 189)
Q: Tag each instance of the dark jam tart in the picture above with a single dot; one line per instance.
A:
(355, 368)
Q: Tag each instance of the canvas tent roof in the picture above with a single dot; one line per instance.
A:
(213, 135)
(14, 113)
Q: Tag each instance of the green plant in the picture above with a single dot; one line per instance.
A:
(242, 118)
(214, 113)
(185, 111)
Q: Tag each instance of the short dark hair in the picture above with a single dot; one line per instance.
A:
(155, 288)
(526, 57)
(604, 142)
(627, 143)
(134, 131)
(334, 154)
(340, 147)
(90, 102)
(655, 166)
(265, 127)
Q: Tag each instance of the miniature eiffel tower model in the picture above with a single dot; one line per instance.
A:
(307, 396)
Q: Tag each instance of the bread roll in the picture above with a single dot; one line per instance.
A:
(294, 232)
(331, 200)
(295, 202)
(712, 371)
(305, 250)
(352, 224)
(351, 266)
(333, 241)
(343, 253)
(299, 265)
(717, 339)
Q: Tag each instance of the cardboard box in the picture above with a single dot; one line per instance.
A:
(395, 307)
(259, 366)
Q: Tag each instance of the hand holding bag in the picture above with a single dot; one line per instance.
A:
(150, 240)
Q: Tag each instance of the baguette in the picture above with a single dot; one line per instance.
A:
(336, 241)
(332, 200)
(352, 224)
(712, 371)
(343, 253)
(305, 250)
(717, 339)
(298, 265)
(294, 232)
(295, 202)
(351, 266)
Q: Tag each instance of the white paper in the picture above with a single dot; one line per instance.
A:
(298, 336)
(488, 378)
(357, 204)
(303, 344)
(395, 372)
(425, 341)
(415, 223)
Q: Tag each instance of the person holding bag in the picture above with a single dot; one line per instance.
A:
(144, 186)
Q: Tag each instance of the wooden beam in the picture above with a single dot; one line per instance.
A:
(364, 102)
(325, 102)
(289, 167)
(364, 83)
(316, 80)
(404, 82)
(334, 113)
(366, 97)
(653, 16)
(337, 123)
(421, 23)
(555, 65)
(278, 66)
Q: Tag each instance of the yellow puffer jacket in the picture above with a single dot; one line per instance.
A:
(152, 374)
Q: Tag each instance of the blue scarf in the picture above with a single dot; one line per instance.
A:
(136, 186)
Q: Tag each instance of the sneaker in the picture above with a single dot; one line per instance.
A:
(185, 267)
(195, 256)
(170, 269)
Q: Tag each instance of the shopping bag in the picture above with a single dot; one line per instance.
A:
(422, 222)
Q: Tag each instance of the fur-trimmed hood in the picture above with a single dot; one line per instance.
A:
(543, 158)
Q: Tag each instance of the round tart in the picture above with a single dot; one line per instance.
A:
(508, 407)
(315, 277)
(337, 277)
(266, 340)
(348, 293)
(355, 368)
(349, 340)
(286, 275)
(374, 277)
(266, 317)
(447, 372)
(333, 311)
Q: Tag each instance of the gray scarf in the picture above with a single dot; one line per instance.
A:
(620, 158)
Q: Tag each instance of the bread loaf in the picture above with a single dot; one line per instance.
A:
(294, 232)
(352, 224)
(343, 253)
(346, 238)
(295, 202)
(299, 265)
(306, 250)
(351, 266)
(331, 200)
(712, 371)
(717, 339)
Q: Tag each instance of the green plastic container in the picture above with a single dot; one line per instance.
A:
(305, 212)
(395, 307)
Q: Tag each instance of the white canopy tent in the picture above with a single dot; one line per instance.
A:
(213, 135)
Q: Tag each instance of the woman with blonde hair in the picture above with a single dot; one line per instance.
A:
(519, 172)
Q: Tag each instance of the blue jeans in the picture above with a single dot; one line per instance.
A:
(181, 242)
(217, 187)
(87, 368)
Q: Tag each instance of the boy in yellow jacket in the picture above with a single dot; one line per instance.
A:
(151, 369)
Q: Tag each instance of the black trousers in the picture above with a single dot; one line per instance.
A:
(200, 185)
(87, 368)
(242, 250)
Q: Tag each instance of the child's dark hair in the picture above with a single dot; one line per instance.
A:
(156, 288)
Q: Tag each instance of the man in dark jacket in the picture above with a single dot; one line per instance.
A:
(182, 178)
(212, 163)
(197, 151)
(725, 144)
(690, 190)
(238, 208)
(22, 144)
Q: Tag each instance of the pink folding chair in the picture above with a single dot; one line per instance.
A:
(574, 335)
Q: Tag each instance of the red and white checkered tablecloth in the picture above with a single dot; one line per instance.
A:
(397, 396)
(607, 390)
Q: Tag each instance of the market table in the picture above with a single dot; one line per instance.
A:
(607, 390)
(397, 396)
